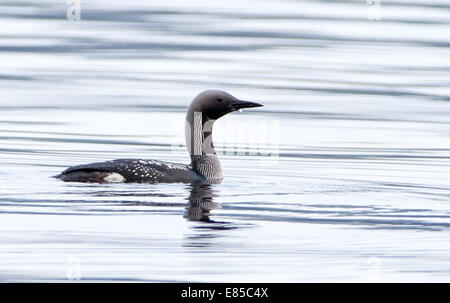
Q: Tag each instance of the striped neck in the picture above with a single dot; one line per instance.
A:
(198, 132)
(208, 167)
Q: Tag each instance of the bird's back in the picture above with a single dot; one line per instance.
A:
(131, 170)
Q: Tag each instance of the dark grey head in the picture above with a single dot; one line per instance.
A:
(207, 107)
(214, 104)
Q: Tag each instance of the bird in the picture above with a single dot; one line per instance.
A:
(205, 167)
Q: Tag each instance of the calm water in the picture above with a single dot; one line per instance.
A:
(348, 177)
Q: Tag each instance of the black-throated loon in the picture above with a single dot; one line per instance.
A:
(203, 111)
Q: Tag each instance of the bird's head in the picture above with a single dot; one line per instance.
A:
(214, 104)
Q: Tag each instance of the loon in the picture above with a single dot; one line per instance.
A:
(205, 166)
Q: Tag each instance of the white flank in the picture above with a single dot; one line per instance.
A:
(114, 178)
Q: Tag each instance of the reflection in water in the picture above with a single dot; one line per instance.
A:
(199, 207)
(200, 203)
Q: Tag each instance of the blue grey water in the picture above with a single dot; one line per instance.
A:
(343, 175)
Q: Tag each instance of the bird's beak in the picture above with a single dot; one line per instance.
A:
(244, 104)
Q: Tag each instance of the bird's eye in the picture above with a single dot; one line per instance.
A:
(219, 100)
